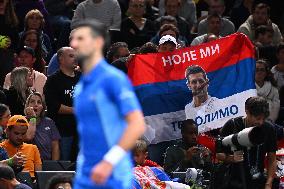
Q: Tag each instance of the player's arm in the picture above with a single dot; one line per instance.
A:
(134, 130)
(128, 105)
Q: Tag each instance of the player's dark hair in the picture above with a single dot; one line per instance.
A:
(98, 28)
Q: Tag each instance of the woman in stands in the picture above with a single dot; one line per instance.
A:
(5, 114)
(31, 38)
(21, 82)
(34, 20)
(46, 136)
(266, 87)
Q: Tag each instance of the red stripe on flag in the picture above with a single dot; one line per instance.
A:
(227, 51)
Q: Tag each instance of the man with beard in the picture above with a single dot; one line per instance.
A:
(197, 82)
(108, 114)
(260, 16)
(58, 91)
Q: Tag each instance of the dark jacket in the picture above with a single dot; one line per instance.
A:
(176, 160)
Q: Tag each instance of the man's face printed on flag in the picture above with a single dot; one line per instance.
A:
(198, 84)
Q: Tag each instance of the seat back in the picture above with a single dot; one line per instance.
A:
(49, 165)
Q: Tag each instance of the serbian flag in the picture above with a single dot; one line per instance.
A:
(160, 84)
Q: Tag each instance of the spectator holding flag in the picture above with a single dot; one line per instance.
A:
(167, 44)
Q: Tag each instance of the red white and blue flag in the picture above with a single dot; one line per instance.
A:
(160, 84)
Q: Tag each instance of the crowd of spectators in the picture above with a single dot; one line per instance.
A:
(39, 70)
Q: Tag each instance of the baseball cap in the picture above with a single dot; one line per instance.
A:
(28, 50)
(168, 38)
(18, 120)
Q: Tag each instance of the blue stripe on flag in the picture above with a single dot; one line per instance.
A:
(166, 97)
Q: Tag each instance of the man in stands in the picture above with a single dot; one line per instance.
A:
(260, 16)
(167, 44)
(257, 110)
(214, 22)
(58, 91)
(105, 11)
(17, 127)
(172, 7)
(116, 51)
(263, 36)
(8, 179)
(226, 26)
(187, 153)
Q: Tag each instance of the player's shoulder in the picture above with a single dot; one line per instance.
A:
(113, 74)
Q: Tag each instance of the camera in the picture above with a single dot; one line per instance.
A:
(247, 137)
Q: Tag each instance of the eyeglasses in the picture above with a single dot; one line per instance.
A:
(260, 70)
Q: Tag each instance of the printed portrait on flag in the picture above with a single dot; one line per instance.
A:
(222, 75)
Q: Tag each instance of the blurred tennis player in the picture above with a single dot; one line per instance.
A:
(108, 114)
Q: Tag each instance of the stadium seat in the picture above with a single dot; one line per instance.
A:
(25, 178)
(50, 165)
(44, 176)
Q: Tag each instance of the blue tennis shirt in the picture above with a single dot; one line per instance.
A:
(103, 98)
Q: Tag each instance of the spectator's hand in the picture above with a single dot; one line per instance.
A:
(19, 160)
(29, 111)
(191, 152)
(238, 156)
(101, 172)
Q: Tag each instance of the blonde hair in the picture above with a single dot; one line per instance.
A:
(140, 146)
(19, 81)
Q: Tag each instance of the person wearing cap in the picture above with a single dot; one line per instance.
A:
(26, 57)
(17, 128)
(109, 116)
(167, 44)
